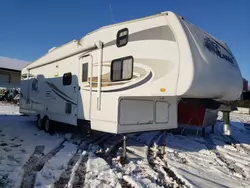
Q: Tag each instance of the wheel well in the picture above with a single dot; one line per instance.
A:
(45, 117)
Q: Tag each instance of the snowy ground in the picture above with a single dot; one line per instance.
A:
(31, 158)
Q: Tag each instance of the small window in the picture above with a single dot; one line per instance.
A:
(67, 79)
(122, 69)
(122, 37)
(25, 76)
(85, 72)
(34, 85)
(68, 108)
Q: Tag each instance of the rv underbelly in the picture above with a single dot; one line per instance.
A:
(137, 114)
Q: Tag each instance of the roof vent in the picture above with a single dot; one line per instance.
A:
(50, 50)
(165, 12)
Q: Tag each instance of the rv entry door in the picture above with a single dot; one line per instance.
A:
(85, 87)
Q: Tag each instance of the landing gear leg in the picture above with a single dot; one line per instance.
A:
(203, 131)
(163, 144)
(213, 129)
(124, 148)
(226, 123)
(88, 130)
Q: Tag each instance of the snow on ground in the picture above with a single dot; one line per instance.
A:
(137, 170)
(236, 117)
(7, 109)
(199, 165)
(99, 174)
(55, 166)
(212, 161)
(31, 158)
(18, 139)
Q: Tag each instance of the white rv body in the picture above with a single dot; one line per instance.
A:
(168, 57)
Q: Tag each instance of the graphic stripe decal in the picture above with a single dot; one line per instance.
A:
(26, 99)
(62, 97)
(157, 33)
(128, 87)
(60, 94)
(58, 90)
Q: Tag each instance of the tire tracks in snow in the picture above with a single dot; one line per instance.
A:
(36, 162)
(112, 153)
(65, 176)
(161, 179)
(151, 161)
(237, 144)
(229, 164)
(155, 160)
(151, 178)
(78, 179)
(113, 148)
(74, 175)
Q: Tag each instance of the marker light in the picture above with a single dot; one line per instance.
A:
(162, 89)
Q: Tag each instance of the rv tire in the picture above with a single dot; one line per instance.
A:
(84, 127)
(39, 122)
(48, 125)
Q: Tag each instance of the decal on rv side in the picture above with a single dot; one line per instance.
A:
(35, 85)
(214, 47)
(60, 94)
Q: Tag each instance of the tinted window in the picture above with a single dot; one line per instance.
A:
(122, 37)
(68, 108)
(85, 72)
(122, 69)
(67, 78)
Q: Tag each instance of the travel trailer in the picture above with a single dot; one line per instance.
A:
(130, 76)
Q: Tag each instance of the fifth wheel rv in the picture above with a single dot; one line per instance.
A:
(130, 76)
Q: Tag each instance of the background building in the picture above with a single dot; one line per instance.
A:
(245, 85)
(10, 73)
(245, 92)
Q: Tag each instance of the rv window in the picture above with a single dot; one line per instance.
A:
(85, 72)
(67, 78)
(122, 37)
(122, 69)
(68, 108)
(25, 75)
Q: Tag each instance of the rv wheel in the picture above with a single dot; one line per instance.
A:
(48, 125)
(85, 128)
(39, 122)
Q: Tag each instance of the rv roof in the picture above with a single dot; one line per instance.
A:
(223, 43)
(65, 44)
(107, 26)
(56, 48)
(129, 21)
(152, 16)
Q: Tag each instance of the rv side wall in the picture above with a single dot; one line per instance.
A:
(52, 90)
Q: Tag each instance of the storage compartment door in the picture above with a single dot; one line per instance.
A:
(161, 112)
(133, 111)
